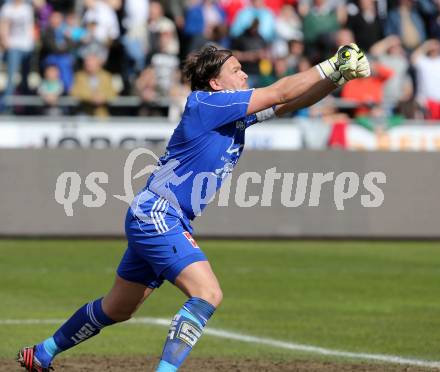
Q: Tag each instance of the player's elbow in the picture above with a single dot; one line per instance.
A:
(283, 97)
(281, 91)
(277, 93)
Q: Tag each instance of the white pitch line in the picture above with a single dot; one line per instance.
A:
(257, 340)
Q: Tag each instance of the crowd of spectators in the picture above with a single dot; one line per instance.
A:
(96, 52)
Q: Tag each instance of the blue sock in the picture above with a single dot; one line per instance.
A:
(186, 328)
(85, 323)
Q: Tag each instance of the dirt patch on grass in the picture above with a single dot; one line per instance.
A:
(132, 364)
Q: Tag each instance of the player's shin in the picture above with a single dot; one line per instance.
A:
(82, 325)
(186, 328)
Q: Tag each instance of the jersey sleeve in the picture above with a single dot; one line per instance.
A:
(260, 116)
(216, 109)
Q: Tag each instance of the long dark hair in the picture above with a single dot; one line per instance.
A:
(204, 65)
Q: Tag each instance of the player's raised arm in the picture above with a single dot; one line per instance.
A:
(306, 88)
(284, 90)
(317, 92)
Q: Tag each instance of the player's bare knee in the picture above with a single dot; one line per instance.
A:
(117, 311)
(119, 315)
(122, 317)
(213, 296)
(218, 298)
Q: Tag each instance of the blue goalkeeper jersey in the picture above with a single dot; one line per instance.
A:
(203, 150)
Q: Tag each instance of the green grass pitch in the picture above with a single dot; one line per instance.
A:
(375, 297)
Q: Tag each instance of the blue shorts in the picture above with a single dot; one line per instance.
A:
(160, 244)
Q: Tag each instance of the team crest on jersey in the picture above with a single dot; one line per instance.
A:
(239, 124)
(189, 237)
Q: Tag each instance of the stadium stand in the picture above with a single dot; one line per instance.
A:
(142, 44)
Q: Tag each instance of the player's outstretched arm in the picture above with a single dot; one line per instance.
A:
(333, 73)
(283, 90)
(320, 90)
(297, 91)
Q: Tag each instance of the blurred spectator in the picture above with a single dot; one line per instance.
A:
(405, 22)
(220, 37)
(193, 29)
(178, 96)
(59, 49)
(304, 64)
(93, 87)
(246, 16)
(116, 5)
(250, 50)
(90, 43)
(156, 82)
(158, 25)
(398, 90)
(368, 92)
(296, 51)
(366, 24)
(288, 24)
(278, 69)
(231, 8)
(135, 39)
(107, 26)
(434, 21)
(304, 6)
(319, 22)
(201, 18)
(50, 90)
(43, 10)
(62, 6)
(277, 5)
(147, 89)
(165, 65)
(426, 60)
(269, 38)
(175, 9)
(17, 38)
(213, 16)
(343, 36)
(74, 31)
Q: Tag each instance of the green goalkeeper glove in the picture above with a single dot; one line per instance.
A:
(348, 63)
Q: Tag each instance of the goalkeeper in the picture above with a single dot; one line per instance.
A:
(208, 141)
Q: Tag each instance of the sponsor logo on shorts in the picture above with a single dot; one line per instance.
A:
(188, 236)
